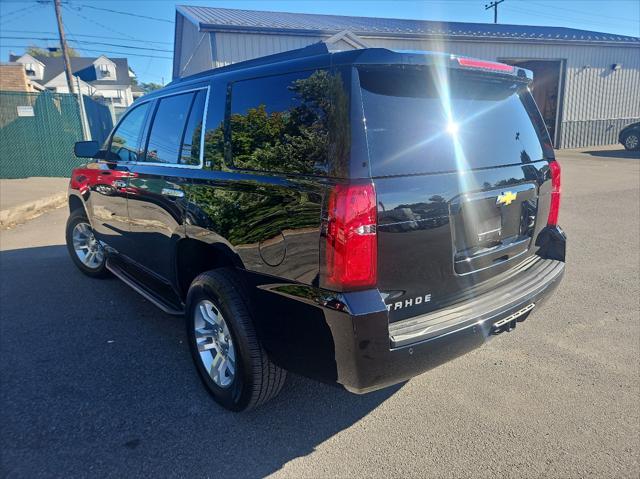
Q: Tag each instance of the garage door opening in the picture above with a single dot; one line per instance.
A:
(547, 90)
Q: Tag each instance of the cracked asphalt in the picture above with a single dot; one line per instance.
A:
(97, 382)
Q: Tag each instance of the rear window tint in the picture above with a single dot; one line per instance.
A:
(419, 124)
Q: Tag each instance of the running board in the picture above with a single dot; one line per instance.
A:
(146, 294)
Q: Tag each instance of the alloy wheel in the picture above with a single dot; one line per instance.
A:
(631, 142)
(88, 249)
(215, 344)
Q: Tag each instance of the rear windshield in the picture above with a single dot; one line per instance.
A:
(421, 122)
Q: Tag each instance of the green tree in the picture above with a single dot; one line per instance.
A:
(301, 139)
(43, 52)
(149, 87)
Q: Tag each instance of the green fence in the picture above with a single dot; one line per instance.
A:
(37, 133)
(99, 119)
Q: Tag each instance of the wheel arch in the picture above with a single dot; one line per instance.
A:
(194, 257)
(75, 203)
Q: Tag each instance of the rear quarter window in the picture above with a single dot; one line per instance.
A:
(419, 121)
(287, 123)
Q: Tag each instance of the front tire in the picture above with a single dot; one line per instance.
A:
(229, 358)
(632, 141)
(85, 250)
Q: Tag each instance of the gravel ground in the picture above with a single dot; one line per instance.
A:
(95, 381)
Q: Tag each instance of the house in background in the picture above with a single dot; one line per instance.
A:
(14, 78)
(105, 78)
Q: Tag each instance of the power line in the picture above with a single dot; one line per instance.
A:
(586, 14)
(554, 16)
(123, 13)
(119, 45)
(84, 36)
(106, 51)
(149, 62)
(22, 12)
(126, 54)
(28, 7)
(71, 37)
(94, 22)
(125, 46)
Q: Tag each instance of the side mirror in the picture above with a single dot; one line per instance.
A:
(86, 149)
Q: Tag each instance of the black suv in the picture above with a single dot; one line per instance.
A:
(356, 217)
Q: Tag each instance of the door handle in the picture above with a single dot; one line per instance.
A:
(173, 192)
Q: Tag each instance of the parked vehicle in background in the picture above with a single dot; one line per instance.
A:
(630, 136)
(356, 217)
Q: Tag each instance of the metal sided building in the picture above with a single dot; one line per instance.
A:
(586, 84)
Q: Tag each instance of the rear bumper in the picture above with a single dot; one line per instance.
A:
(346, 338)
(380, 356)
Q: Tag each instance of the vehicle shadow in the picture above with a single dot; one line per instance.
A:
(98, 381)
(619, 154)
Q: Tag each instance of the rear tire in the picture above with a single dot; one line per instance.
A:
(632, 142)
(229, 358)
(85, 251)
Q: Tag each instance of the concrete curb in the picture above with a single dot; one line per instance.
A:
(27, 211)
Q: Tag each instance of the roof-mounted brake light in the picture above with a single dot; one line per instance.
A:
(487, 65)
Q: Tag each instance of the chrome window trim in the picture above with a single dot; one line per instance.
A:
(202, 133)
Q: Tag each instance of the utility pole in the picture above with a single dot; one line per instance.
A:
(493, 5)
(63, 45)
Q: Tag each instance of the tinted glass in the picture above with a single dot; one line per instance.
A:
(190, 153)
(281, 123)
(415, 126)
(125, 142)
(168, 126)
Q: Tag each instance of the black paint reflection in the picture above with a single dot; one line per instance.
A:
(296, 128)
(296, 124)
(422, 215)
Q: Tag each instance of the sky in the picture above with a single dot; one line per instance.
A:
(142, 30)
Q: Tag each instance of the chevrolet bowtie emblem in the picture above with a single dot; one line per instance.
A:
(506, 198)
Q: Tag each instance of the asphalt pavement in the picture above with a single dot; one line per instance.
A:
(95, 381)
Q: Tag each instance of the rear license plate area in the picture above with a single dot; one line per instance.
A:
(492, 226)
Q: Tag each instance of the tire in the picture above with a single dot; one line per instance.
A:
(631, 141)
(94, 269)
(255, 379)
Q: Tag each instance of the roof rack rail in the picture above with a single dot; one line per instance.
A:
(319, 48)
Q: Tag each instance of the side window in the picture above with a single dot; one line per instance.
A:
(281, 123)
(169, 121)
(126, 139)
(190, 152)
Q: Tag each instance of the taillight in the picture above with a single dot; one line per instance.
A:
(554, 208)
(351, 239)
(473, 63)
